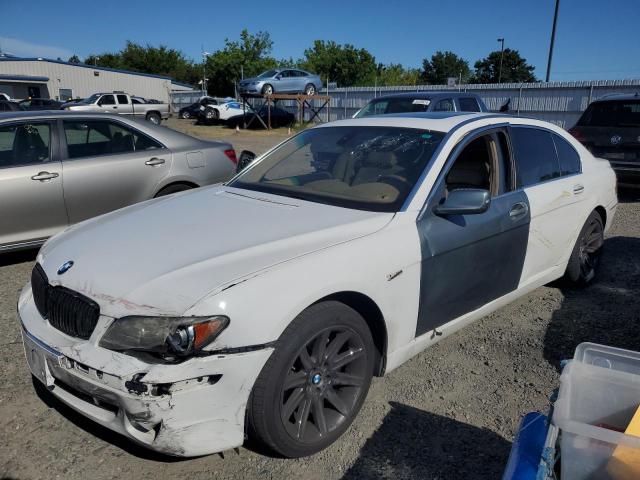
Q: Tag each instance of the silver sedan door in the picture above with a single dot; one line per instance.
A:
(109, 165)
(31, 200)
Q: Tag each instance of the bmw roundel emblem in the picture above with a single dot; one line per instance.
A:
(616, 139)
(65, 267)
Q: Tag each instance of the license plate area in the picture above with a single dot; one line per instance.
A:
(38, 359)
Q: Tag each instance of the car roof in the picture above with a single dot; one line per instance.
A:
(618, 97)
(426, 95)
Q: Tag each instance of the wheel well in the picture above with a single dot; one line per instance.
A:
(603, 214)
(374, 318)
(173, 184)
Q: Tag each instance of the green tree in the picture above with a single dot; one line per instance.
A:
(74, 59)
(245, 58)
(514, 68)
(344, 64)
(395, 74)
(149, 59)
(443, 65)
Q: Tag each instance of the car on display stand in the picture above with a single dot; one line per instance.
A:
(332, 258)
(281, 80)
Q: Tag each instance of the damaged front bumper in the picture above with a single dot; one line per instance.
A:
(193, 408)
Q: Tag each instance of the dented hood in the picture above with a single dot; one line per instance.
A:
(162, 256)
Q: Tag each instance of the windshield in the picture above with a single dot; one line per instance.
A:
(394, 105)
(268, 74)
(612, 114)
(92, 99)
(362, 167)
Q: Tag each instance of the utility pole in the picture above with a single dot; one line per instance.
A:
(204, 72)
(501, 40)
(553, 39)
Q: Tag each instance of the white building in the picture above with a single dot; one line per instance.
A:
(46, 78)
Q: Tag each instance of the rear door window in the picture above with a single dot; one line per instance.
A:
(535, 156)
(122, 100)
(97, 137)
(468, 104)
(24, 144)
(567, 156)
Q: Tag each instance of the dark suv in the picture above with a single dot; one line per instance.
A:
(610, 128)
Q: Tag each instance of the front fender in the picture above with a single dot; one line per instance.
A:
(262, 306)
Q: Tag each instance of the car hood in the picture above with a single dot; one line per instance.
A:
(162, 256)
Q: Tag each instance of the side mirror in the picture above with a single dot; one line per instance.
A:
(246, 157)
(465, 201)
(278, 77)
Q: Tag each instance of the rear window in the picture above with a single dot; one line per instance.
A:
(612, 114)
(567, 156)
(468, 104)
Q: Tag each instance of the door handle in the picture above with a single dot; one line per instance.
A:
(578, 189)
(154, 162)
(518, 210)
(44, 176)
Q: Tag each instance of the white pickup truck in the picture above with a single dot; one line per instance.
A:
(123, 104)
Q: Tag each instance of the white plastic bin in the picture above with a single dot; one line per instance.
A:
(589, 396)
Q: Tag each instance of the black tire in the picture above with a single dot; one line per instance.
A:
(212, 114)
(175, 188)
(267, 89)
(310, 89)
(585, 257)
(328, 384)
(186, 115)
(154, 118)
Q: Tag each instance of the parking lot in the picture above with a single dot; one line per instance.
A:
(451, 412)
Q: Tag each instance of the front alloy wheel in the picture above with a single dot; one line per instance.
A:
(313, 385)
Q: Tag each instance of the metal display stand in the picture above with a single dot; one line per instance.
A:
(303, 102)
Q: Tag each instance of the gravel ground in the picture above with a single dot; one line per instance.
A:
(451, 412)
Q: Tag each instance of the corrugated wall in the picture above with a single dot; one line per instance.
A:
(557, 102)
(84, 82)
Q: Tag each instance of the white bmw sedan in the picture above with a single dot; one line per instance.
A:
(264, 306)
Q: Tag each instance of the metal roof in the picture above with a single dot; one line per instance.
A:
(84, 65)
(22, 78)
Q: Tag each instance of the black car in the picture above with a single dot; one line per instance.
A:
(610, 128)
(6, 106)
(40, 104)
(279, 117)
(192, 110)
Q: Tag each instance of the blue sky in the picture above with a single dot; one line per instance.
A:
(595, 39)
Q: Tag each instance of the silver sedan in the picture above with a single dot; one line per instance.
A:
(59, 168)
(278, 80)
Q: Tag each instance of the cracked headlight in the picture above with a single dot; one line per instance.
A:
(166, 336)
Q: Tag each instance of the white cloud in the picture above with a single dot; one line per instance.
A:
(20, 48)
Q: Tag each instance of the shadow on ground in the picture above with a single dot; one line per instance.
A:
(441, 448)
(607, 312)
(20, 256)
(99, 431)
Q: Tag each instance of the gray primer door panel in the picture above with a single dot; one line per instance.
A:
(470, 260)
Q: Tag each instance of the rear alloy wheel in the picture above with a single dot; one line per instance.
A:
(310, 89)
(267, 90)
(585, 257)
(154, 118)
(313, 385)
